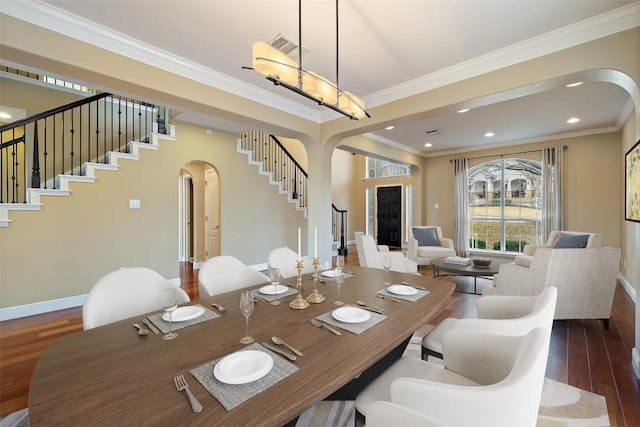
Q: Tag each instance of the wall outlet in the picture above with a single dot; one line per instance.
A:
(134, 204)
(436, 205)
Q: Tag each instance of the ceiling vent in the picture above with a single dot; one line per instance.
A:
(286, 45)
(433, 132)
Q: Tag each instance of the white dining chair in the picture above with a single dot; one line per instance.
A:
(225, 273)
(286, 260)
(126, 293)
(487, 380)
(500, 314)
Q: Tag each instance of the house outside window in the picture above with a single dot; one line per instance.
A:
(505, 209)
(377, 168)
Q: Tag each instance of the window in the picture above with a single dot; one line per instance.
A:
(505, 210)
(377, 168)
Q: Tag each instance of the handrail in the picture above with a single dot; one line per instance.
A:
(339, 219)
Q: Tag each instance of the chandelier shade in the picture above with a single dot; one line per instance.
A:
(271, 62)
(319, 87)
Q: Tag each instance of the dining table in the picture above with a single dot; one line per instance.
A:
(111, 375)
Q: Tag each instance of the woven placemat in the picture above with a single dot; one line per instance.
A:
(266, 297)
(355, 328)
(232, 395)
(163, 325)
(410, 298)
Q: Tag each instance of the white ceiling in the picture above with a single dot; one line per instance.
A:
(387, 50)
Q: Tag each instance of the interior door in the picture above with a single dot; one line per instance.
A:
(389, 214)
(212, 218)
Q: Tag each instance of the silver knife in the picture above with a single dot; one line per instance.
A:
(277, 350)
(151, 326)
(422, 288)
(373, 309)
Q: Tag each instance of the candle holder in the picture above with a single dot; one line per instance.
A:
(315, 297)
(299, 303)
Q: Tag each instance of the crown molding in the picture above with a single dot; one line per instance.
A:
(392, 143)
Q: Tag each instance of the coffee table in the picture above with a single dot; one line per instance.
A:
(471, 270)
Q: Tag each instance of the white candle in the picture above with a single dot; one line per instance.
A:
(315, 242)
(299, 257)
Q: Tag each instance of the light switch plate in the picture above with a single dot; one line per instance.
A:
(134, 204)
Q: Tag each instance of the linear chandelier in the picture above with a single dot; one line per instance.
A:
(286, 72)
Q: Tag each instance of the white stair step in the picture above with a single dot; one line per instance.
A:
(33, 194)
(6, 207)
(64, 180)
(114, 156)
(135, 146)
(91, 168)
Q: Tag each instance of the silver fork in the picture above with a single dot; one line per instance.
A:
(181, 384)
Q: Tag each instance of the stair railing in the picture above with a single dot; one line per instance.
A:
(339, 227)
(35, 150)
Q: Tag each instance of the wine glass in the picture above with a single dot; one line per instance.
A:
(340, 261)
(275, 276)
(386, 264)
(246, 307)
(169, 303)
(338, 277)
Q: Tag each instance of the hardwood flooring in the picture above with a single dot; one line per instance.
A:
(582, 353)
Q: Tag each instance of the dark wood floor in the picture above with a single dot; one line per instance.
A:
(582, 353)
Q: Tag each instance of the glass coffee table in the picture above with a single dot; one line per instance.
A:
(470, 270)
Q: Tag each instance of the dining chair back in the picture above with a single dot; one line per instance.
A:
(225, 273)
(125, 293)
(286, 260)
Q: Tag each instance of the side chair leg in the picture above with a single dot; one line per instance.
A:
(605, 323)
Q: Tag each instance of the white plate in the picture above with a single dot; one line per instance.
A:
(182, 314)
(351, 315)
(328, 273)
(402, 290)
(269, 289)
(243, 367)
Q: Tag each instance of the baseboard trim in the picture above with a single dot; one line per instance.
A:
(628, 287)
(41, 307)
(19, 311)
(635, 361)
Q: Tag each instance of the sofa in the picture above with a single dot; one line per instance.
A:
(371, 255)
(562, 239)
(426, 243)
(585, 278)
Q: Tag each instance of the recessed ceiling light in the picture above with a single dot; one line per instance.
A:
(489, 134)
(573, 120)
(4, 115)
(428, 144)
(389, 127)
(464, 110)
(574, 84)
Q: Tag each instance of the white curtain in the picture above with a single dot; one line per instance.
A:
(461, 207)
(552, 211)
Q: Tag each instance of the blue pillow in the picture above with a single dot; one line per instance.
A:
(570, 241)
(426, 236)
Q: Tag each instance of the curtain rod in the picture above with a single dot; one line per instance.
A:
(564, 147)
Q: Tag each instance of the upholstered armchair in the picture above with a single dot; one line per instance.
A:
(561, 240)
(487, 380)
(286, 260)
(585, 279)
(225, 273)
(371, 255)
(426, 243)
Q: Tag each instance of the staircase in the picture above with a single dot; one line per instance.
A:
(69, 144)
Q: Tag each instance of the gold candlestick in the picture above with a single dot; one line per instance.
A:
(315, 296)
(299, 303)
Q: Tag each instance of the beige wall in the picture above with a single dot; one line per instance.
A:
(592, 194)
(61, 251)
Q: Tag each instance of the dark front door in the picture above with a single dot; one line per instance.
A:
(390, 216)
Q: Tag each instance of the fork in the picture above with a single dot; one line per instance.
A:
(181, 384)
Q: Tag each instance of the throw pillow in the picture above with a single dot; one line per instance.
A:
(570, 241)
(426, 236)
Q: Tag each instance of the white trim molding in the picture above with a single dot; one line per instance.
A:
(41, 307)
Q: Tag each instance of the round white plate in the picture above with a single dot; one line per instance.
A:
(351, 315)
(269, 289)
(328, 273)
(243, 367)
(402, 290)
(181, 314)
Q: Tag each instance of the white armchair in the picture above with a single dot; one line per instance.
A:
(499, 314)
(426, 243)
(488, 380)
(372, 255)
(585, 279)
(285, 259)
(593, 240)
(225, 273)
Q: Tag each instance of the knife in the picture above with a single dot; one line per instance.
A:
(151, 326)
(277, 350)
(422, 288)
(375, 310)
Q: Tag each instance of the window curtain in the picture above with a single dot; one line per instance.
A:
(461, 207)
(552, 211)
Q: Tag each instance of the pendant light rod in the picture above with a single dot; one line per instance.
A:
(337, 49)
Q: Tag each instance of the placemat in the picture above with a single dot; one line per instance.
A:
(232, 395)
(163, 325)
(410, 298)
(355, 328)
(331, 279)
(266, 297)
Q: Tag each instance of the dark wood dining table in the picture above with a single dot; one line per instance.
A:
(111, 376)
